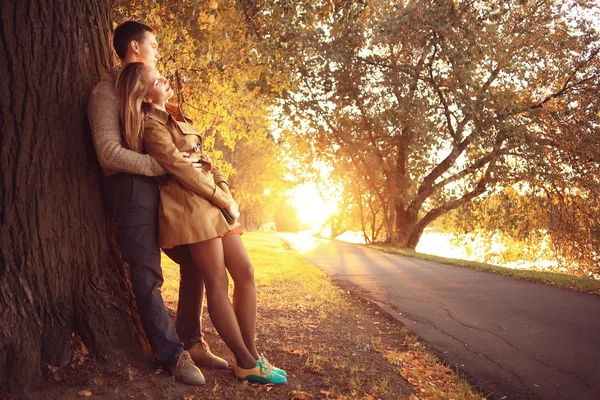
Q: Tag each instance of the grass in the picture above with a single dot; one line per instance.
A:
(329, 342)
(332, 344)
(575, 283)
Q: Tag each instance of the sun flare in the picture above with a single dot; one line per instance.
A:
(312, 209)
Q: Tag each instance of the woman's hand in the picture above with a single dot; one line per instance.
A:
(195, 163)
(233, 210)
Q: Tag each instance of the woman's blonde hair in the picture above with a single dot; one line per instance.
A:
(131, 89)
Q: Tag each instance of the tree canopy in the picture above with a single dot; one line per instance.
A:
(210, 55)
(431, 104)
(416, 107)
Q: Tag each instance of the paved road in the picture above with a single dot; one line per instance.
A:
(512, 338)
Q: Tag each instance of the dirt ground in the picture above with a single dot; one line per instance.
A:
(332, 343)
(338, 358)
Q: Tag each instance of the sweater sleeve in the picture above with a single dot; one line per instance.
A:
(103, 115)
(159, 145)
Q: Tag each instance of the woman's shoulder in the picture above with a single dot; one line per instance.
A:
(155, 129)
(156, 117)
(151, 122)
(154, 122)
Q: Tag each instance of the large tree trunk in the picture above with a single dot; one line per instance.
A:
(59, 272)
(406, 221)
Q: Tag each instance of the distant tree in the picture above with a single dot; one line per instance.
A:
(434, 103)
(359, 206)
(257, 178)
(516, 220)
(60, 276)
(286, 218)
(533, 224)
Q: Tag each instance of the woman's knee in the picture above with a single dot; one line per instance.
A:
(216, 281)
(244, 274)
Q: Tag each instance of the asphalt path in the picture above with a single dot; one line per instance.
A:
(513, 339)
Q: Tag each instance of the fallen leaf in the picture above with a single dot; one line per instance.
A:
(53, 371)
(98, 381)
(84, 393)
(368, 397)
(299, 395)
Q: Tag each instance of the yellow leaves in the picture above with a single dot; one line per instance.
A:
(53, 373)
(431, 379)
(84, 393)
(80, 352)
(299, 395)
(329, 394)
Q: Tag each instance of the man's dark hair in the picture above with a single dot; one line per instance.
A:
(125, 33)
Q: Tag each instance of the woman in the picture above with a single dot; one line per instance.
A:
(197, 210)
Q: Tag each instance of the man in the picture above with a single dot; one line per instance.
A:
(131, 195)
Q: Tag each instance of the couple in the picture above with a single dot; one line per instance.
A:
(142, 147)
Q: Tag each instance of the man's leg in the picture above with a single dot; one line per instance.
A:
(133, 200)
(146, 282)
(189, 309)
(191, 297)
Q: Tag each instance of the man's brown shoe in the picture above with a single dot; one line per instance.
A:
(201, 354)
(185, 371)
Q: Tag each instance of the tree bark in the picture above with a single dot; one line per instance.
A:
(59, 270)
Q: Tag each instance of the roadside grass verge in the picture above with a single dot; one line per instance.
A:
(575, 283)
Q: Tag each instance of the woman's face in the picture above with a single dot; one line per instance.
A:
(159, 89)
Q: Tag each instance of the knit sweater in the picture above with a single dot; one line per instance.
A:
(103, 115)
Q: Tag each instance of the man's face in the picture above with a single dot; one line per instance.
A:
(148, 50)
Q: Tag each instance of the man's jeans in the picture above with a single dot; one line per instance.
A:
(133, 201)
(191, 295)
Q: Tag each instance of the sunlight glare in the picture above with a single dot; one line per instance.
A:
(303, 242)
(312, 209)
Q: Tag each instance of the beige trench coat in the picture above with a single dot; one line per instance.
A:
(190, 200)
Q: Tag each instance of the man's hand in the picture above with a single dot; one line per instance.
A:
(233, 210)
(194, 162)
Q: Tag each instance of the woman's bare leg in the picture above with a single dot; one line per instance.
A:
(244, 290)
(209, 256)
